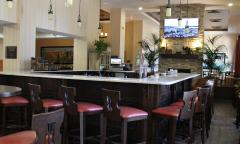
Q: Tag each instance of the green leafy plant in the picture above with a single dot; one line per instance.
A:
(100, 46)
(152, 49)
(211, 50)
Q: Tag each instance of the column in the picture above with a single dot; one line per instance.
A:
(117, 31)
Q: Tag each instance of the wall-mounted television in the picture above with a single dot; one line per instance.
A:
(172, 30)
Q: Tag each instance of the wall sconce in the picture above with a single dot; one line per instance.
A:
(164, 43)
(68, 3)
(10, 3)
(50, 11)
(197, 44)
(103, 35)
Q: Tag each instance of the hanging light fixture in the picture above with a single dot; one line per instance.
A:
(79, 21)
(50, 11)
(168, 9)
(187, 24)
(180, 20)
(68, 3)
(9, 3)
(100, 26)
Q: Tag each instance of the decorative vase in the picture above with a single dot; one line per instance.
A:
(151, 66)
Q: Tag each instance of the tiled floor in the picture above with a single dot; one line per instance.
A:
(223, 131)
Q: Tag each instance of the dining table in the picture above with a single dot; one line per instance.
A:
(8, 91)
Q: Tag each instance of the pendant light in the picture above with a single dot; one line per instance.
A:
(187, 24)
(168, 9)
(10, 3)
(100, 26)
(79, 21)
(50, 11)
(68, 3)
(180, 21)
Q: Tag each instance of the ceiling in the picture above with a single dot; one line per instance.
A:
(157, 3)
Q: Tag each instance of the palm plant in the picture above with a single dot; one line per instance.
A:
(151, 49)
(211, 50)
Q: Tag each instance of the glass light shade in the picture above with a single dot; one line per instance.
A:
(99, 30)
(10, 3)
(101, 34)
(168, 11)
(79, 23)
(230, 4)
(106, 34)
(50, 16)
(180, 22)
(68, 3)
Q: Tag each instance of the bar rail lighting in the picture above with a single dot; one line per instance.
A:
(79, 21)
(50, 11)
(68, 3)
(10, 3)
(169, 9)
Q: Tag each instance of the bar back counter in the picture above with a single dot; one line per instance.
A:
(145, 93)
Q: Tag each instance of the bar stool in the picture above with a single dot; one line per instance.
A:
(13, 102)
(124, 114)
(200, 112)
(80, 109)
(38, 104)
(176, 114)
(24, 137)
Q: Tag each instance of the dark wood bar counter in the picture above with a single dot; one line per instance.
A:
(146, 93)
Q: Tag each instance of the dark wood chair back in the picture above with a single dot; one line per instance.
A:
(203, 95)
(190, 99)
(68, 95)
(47, 126)
(36, 103)
(111, 109)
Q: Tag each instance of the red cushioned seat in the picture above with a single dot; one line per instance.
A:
(88, 107)
(179, 104)
(14, 100)
(25, 137)
(130, 112)
(52, 103)
(169, 111)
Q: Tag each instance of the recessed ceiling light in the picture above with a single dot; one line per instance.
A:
(230, 4)
(140, 8)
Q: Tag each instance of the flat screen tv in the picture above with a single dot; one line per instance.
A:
(172, 30)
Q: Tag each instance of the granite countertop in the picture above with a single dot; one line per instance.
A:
(161, 80)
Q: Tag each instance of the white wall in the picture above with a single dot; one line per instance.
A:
(149, 27)
(1, 48)
(6, 14)
(33, 14)
(229, 40)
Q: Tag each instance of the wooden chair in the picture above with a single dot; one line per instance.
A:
(13, 102)
(47, 125)
(45, 130)
(24, 137)
(176, 114)
(39, 105)
(80, 109)
(200, 111)
(124, 114)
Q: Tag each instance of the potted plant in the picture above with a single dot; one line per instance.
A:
(151, 50)
(100, 46)
(211, 50)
